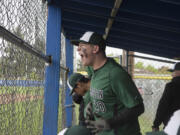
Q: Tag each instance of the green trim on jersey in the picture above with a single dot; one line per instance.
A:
(111, 91)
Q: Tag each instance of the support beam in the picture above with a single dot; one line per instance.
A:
(68, 101)
(130, 63)
(111, 19)
(52, 74)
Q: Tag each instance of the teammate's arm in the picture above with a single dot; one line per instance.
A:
(128, 114)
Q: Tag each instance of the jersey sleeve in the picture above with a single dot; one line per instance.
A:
(86, 98)
(124, 88)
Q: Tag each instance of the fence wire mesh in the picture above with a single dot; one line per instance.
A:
(63, 87)
(63, 77)
(21, 73)
(150, 77)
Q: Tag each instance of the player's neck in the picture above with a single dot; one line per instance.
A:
(99, 62)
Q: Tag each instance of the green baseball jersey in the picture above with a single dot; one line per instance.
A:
(156, 133)
(86, 98)
(111, 91)
(89, 71)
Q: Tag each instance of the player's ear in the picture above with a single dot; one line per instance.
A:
(95, 48)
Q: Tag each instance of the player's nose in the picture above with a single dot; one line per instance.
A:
(79, 48)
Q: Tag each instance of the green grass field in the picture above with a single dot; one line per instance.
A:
(145, 124)
(21, 113)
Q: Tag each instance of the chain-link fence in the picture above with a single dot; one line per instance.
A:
(23, 24)
(150, 77)
(21, 73)
(63, 87)
(63, 84)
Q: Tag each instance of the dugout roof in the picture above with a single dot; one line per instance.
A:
(146, 26)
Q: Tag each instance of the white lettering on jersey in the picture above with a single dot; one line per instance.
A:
(97, 94)
(98, 103)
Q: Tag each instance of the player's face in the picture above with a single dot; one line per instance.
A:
(86, 53)
(80, 88)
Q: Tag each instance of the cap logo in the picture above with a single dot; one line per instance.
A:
(86, 37)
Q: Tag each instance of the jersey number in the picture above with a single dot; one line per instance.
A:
(99, 106)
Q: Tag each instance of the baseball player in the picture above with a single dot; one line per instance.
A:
(170, 101)
(172, 128)
(114, 99)
(79, 86)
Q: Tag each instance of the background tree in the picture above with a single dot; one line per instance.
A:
(139, 65)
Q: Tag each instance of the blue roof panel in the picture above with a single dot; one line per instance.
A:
(85, 8)
(147, 26)
(97, 3)
(155, 8)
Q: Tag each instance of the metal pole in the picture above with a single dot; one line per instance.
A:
(127, 61)
(68, 101)
(22, 44)
(167, 61)
(65, 68)
(52, 74)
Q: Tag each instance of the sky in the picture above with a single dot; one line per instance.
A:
(114, 51)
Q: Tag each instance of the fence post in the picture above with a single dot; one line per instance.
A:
(52, 74)
(68, 101)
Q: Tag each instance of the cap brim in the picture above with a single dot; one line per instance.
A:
(70, 87)
(70, 94)
(76, 42)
